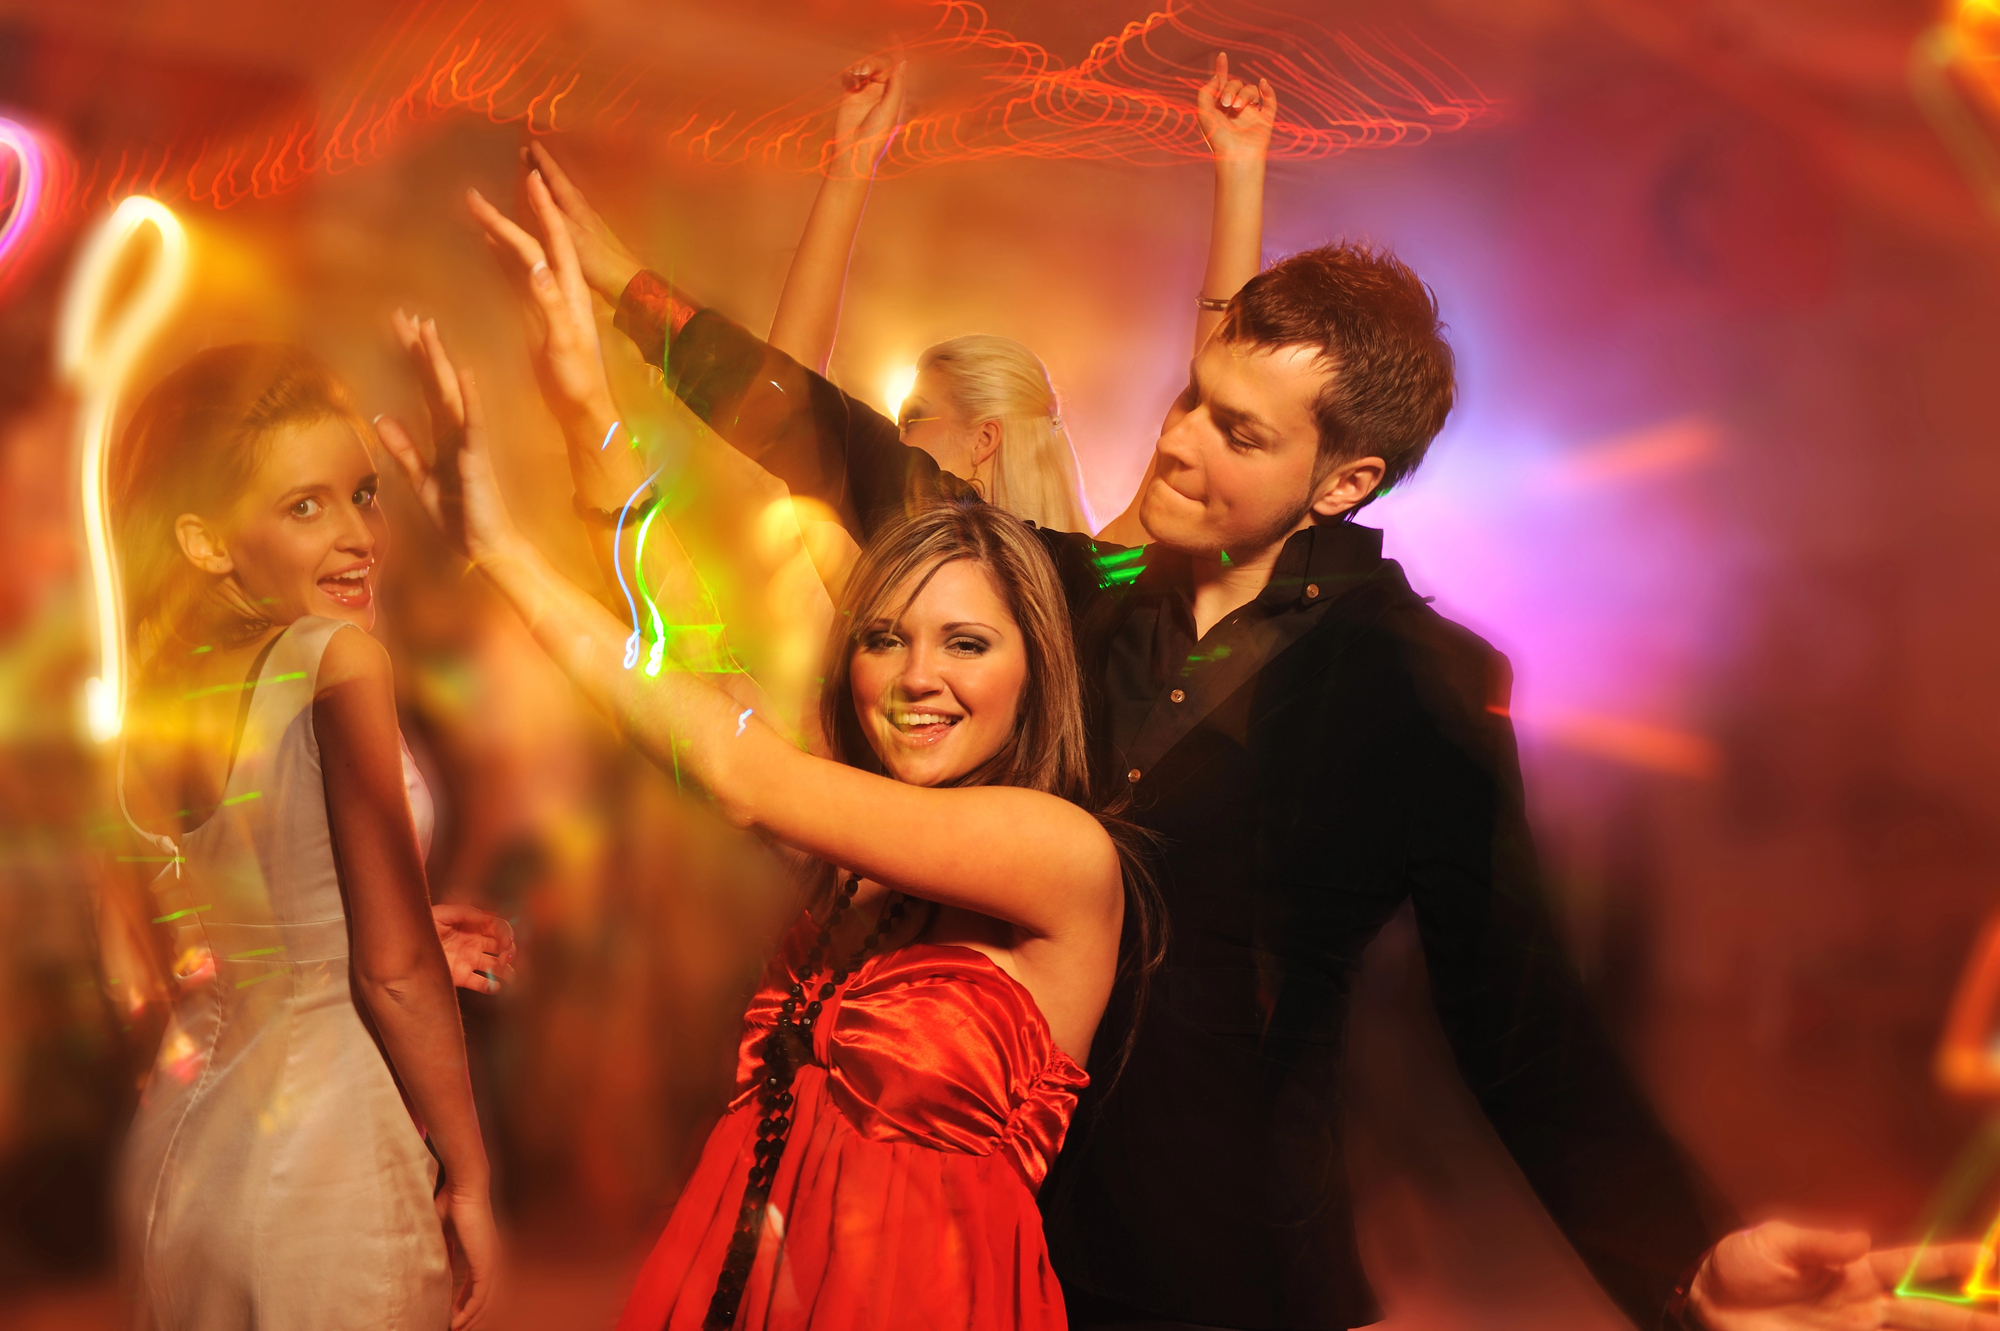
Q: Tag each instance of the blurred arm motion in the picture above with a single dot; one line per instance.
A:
(638, 552)
(1024, 857)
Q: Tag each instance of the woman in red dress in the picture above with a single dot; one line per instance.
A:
(913, 1056)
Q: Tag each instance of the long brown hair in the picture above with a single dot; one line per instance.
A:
(193, 445)
(1049, 749)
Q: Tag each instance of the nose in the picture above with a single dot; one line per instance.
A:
(356, 534)
(920, 677)
(1178, 444)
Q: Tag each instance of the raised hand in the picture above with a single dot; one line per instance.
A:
(456, 486)
(478, 945)
(1779, 1277)
(1235, 117)
(562, 325)
(607, 265)
(869, 114)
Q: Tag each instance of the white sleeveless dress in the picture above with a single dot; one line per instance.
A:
(274, 1177)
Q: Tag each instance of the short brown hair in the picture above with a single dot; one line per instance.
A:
(1376, 324)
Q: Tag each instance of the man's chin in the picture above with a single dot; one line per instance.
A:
(1176, 523)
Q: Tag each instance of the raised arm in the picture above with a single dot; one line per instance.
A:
(865, 124)
(822, 443)
(670, 612)
(1030, 859)
(1236, 119)
(400, 973)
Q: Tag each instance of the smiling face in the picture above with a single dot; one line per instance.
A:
(306, 535)
(938, 688)
(1234, 469)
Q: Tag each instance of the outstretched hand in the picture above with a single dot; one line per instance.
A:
(478, 945)
(1779, 1277)
(606, 264)
(456, 486)
(869, 114)
(1236, 117)
(561, 324)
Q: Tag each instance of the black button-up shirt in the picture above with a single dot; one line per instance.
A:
(1160, 681)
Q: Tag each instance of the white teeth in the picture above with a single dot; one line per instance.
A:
(921, 718)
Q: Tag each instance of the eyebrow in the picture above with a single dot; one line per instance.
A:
(1227, 416)
(968, 624)
(325, 487)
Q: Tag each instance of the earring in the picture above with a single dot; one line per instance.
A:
(978, 485)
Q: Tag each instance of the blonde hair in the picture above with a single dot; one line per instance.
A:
(1034, 472)
(193, 446)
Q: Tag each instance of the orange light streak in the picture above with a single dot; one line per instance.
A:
(1130, 99)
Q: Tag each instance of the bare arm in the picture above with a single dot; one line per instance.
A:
(400, 971)
(1030, 859)
(1237, 119)
(808, 313)
(671, 610)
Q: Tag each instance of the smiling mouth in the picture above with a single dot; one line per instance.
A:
(350, 588)
(924, 727)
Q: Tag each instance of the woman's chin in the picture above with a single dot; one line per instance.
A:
(359, 612)
(927, 766)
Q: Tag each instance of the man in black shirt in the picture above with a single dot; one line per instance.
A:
(1313, 746)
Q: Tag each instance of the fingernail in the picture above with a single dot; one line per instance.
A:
(540, 274)
(376, 420)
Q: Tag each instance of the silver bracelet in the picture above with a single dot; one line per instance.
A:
(1211, 303)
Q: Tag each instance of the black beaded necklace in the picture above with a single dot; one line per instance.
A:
(787, 1049)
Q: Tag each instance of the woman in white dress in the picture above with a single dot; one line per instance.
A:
(277, 1173)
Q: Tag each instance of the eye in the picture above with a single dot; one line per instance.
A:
(306, 509)
(881, 641)
(365, 496)
(966, 644)
(1242, 445)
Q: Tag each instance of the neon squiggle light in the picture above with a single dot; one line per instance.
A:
(28, 196)
(96, 347)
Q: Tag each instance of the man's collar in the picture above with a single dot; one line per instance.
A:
(1321, 561)
(1315, 564)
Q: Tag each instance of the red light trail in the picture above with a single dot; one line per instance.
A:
(1130, 99)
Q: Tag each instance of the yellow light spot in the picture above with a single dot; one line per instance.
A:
(897, 387)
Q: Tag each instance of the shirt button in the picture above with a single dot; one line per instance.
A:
(1312, 590)
(1133, 776)
(1178, 695)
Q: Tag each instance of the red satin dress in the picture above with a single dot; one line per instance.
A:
(934, 1104)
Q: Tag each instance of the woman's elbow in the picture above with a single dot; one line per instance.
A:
(394, 982)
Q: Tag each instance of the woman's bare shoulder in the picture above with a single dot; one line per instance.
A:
(354, 657)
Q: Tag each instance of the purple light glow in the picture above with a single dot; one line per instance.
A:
(28, 196)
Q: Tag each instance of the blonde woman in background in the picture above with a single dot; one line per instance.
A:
(983, 406)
